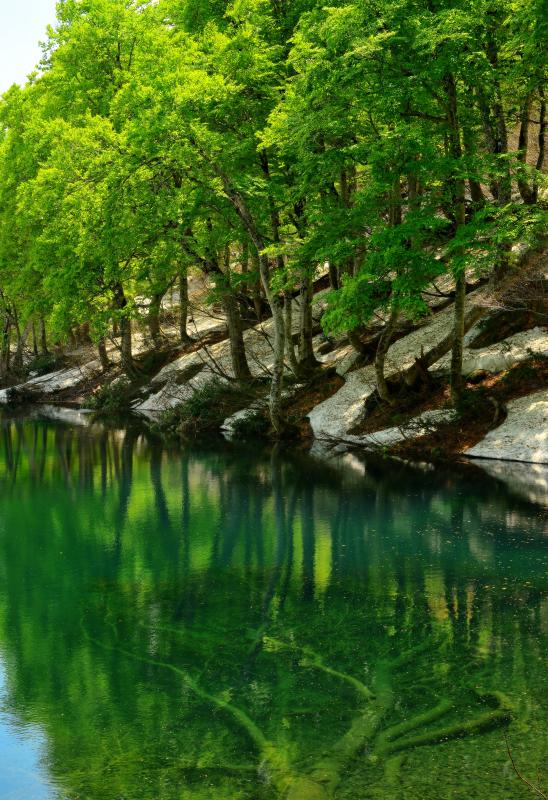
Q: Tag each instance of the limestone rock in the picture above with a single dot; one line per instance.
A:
(339, 413)
(502, 355)
(523, 436)
(51, 383)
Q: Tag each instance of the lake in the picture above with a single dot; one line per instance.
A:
(235, 623)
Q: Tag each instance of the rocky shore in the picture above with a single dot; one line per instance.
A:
(336, 410)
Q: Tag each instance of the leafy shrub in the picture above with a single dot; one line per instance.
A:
(255, 425)
(44, 363)
(519, 375)
(472, 402)
(205, 410)
(112, 398)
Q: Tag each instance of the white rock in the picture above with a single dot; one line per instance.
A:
(523, 436)
(502, 355)
(418, 426)
(347, 363)
(56, 381)
(340, 413)
(228, 425)
(180, 364)
(345, 409)
(172, 394)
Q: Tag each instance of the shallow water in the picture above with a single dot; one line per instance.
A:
(208, 624)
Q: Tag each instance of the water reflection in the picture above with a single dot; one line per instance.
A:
(208, 623)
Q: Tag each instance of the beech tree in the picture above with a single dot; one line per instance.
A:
(262, 143)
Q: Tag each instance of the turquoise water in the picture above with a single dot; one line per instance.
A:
(240, 624)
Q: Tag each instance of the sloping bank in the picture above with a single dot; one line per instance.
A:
(513, 428)
(519, 431)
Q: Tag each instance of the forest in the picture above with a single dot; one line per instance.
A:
(319, 230)
(274, 147)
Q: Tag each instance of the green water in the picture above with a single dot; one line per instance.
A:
(235, 624)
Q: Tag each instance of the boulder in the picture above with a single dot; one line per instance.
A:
(523, 436)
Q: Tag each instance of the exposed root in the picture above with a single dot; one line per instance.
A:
(392, 770)
(312, 660)
(290, 785)
(500, 716)
(320, 782)
(389, 735)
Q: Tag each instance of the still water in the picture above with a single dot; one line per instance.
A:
(237, 624)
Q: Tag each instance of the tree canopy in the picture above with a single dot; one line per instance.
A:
(260, 142)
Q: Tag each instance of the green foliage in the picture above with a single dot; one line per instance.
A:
(44, 363)
(218, 135)
(112, 398)
(253, 426)
(205, 410)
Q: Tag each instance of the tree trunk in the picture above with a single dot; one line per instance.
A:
(34, 340)
(395, 219)
(459, 211)
(256, 287)
(43, 337)
(276, 386)
(354, 337)
(5, 351)
(276, 306)
(380, 355)
(307, 359)
(470, 147)
(333, 276)
(240, 367)
(274, 300)
(289, 346)
(231, 307)
(183, 307)
(128, 365)
(527, 194)
(541, 143)
(21, 343)
(126, 352)
(153, 318)
(497, 109)
(103, 356)
(457, 381)
(244, 263)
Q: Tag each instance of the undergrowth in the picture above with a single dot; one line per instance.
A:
(205, 411)
(112, 398)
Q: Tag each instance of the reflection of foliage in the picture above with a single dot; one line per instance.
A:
(221, 625)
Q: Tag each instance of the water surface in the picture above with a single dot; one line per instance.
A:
(209, 624)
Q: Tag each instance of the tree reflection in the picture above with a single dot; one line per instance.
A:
(239, 624)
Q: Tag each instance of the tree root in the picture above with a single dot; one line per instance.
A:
(312, 660)
(290, 785)
(392, 769)
(322, 779)
(501, 715)
(389, 735)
